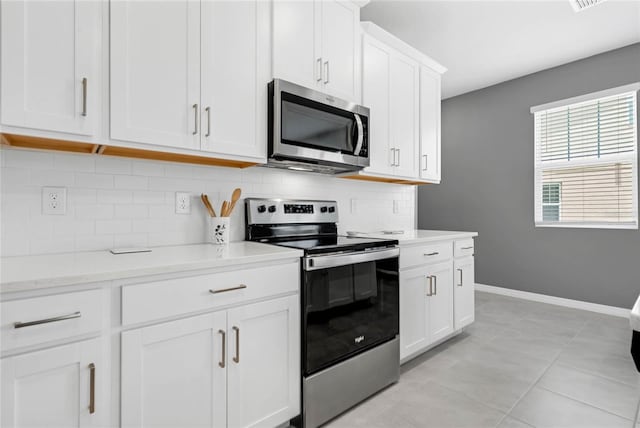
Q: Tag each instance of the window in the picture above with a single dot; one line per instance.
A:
(586, 160)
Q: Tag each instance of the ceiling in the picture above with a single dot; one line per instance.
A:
(486, 42)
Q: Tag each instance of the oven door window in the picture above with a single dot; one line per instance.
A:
(306, 123)
(348, 309)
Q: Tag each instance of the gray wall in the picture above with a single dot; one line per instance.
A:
(487, 186)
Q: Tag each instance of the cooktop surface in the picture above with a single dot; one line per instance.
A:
(329, 244)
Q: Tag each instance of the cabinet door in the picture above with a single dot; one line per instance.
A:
(464, 302)
(376, 58)
(441, 301)
(173, 374)
(235, 74)
(404, 105)
(53, 388)
(429, 125)
(296, 43)
(414, 320)
(264, 363)
(341, 48)
(155, 72)
(48, 50)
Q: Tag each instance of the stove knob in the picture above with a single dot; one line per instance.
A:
(323, 209)
(261, 208)
(332, 209)
(272, 209)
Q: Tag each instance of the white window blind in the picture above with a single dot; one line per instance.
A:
(586, 161)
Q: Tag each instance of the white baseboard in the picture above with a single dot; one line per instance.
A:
(559, 301)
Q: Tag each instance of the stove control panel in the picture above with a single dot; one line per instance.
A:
(280, 211)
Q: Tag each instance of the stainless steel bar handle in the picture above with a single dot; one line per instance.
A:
(356, 152)
(460, 270)
(393, 156)
(435, 284)
(466, 248)
(223, 361)
(84, 96)
(224, 290)
(326, 72)
(398, 164)
(319, 70)
(92, 388)
(236, 359)
(208, 110)
(20, 324)
(322, 262)
(430, 278)
(426, 163)
(195, 119)
(435, 253)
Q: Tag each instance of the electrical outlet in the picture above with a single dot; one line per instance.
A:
(54, 200)
(183, 203)
(396, 206)
(353, 206)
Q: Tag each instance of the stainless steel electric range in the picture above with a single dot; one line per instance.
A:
(350, 304)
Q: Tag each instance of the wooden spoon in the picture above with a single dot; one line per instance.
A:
(206, 204)
(234, 198)
(212, 212)
(223, 209)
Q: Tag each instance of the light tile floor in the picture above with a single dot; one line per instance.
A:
(521, 364)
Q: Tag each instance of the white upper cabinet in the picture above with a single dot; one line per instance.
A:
(401, 87)
(235, 74)
(155, 72)
(390, 88)
(404, 114)
(430, 125)
(316, 45)
(194, 77)
(50, 65)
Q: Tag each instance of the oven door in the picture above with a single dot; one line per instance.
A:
(310, 125)
(350, 304)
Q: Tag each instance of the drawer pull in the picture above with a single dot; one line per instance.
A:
(92, 388)
(460, 270)
(466, 248)
(236, 359)
(47, 320)
(224, 290)
(223, 362)
(431, 254)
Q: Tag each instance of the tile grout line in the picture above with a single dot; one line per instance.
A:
(533, 385)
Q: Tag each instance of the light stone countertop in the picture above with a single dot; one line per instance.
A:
(635, 316)
(417, 236)
(24, 273)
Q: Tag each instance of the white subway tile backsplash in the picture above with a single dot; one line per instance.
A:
(131, 182)
(94, 181)
(119, 202)
(113, 165)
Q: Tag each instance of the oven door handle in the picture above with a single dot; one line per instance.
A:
(360, 139)
(324, 262)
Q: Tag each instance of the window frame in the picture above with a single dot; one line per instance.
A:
(537, 182)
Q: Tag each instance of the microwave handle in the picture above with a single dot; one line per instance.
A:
(360, 134)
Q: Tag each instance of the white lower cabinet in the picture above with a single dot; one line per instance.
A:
(464, 292)
(426, 306)
(62, 386)
(436, 294)
(263, 386)
(236, 368)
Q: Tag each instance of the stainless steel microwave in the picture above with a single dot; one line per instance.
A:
(313, 131)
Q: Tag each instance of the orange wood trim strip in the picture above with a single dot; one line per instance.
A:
(383, 179)
(30, 142)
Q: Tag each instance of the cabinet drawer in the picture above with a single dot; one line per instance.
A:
(463, 247)
(425, 254)
(171, 297)
(37, 320)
